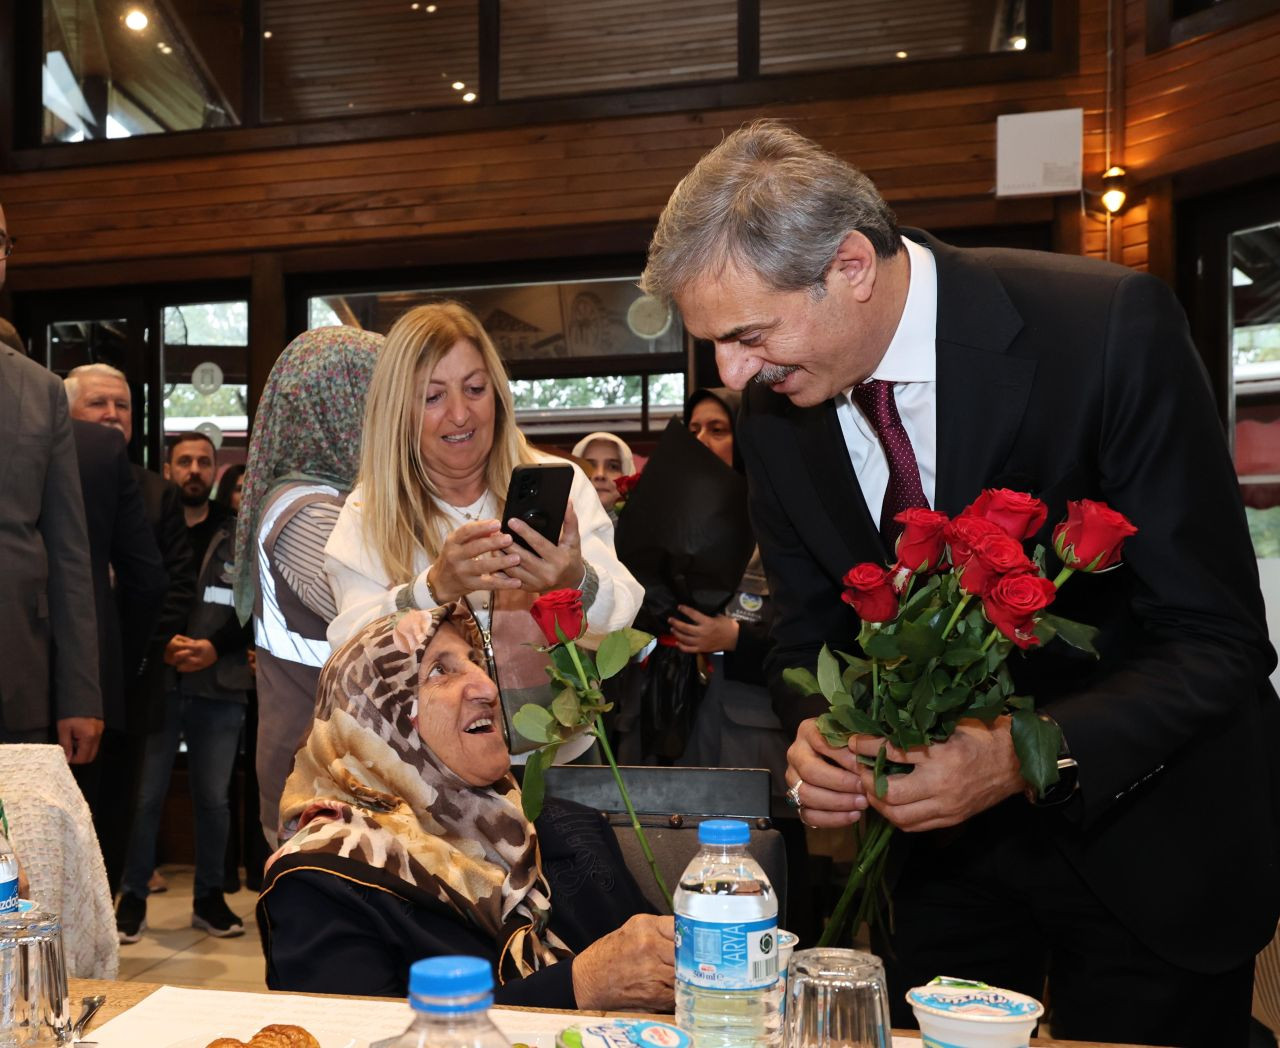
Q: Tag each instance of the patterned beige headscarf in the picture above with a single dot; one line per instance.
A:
(366, 787)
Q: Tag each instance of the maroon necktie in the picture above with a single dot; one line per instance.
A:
(875, 398)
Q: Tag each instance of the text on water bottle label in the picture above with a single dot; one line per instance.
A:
(716, 956)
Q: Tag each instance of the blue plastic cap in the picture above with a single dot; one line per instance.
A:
(723, 831)
(450, 977)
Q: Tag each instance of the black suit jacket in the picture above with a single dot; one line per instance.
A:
(162, 504)
(119, 541)
(1071, 378)
(334, 925)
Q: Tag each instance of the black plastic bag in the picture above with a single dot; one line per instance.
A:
(685, 533)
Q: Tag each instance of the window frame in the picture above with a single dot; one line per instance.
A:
(22, 150)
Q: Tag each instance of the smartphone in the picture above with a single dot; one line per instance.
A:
(538, 496)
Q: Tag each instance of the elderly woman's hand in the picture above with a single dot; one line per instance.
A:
(474, 557)
(549, 566)
(634, 967)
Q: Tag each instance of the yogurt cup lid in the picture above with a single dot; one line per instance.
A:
(623, 1033)
(961, 999)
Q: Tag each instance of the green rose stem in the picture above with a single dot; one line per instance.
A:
(868, 856)
(955, 615)
(1063, 575)
(598, 731)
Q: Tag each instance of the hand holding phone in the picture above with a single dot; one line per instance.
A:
(540, 517)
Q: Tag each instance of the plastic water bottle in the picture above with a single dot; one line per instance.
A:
(450, 998)
(8, 868)
(727, 988)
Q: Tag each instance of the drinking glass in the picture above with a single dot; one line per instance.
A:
(34, 1009)
(837, 998)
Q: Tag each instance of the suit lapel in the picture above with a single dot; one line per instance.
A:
(982, 390)
(823, 451)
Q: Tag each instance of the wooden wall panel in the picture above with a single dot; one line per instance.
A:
(931, 151)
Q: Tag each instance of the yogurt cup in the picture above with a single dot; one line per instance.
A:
(953, 1013)
(623, 1033)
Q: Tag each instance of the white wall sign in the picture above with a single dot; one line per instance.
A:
(207, 378)
(1038, 154)
(211, 430)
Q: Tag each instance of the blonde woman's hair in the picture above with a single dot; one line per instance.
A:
(400, 516)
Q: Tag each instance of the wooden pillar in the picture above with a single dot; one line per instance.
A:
(267, 329)
(1161, 250)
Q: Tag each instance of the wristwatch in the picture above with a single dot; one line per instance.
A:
(1068, 775)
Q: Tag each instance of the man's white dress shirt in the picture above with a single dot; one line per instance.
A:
(911, 364)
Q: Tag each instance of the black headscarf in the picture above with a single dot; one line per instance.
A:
(731, 401)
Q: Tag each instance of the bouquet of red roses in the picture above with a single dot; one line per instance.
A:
(938, 626)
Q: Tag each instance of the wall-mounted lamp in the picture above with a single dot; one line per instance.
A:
(1114, 189)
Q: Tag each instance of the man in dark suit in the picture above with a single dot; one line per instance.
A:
(49, 687)
(1070, 379)
(129, 583)
(99, 393)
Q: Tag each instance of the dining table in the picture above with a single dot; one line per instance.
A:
(122, 996)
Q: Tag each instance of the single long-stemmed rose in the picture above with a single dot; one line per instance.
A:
(933, 656)
(580, 703)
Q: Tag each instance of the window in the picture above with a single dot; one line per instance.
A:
(586, 354)
(834, 34)
(204, 368)
(115, 70)
(1255, 349)
(564, 47)
(340, 59)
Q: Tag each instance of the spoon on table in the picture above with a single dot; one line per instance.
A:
(88, 1009)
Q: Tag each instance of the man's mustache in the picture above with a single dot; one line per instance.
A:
(772, 373)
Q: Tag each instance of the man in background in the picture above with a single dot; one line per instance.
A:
(49, 690)
(99, 393)
(205, 705)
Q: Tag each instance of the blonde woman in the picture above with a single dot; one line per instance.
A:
(423, 525)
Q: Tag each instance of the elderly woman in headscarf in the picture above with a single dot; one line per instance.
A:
(302, 462)
(406, 839)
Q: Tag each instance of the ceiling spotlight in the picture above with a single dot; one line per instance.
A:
(1018, 43)
(414, 7)
(431, 9)
(266, 34)
(470, 96)
(902, 54)
(1114, 191)
(458, 85)
(136, 20)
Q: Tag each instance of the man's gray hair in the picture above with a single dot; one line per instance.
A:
(72, 381)
(772, 202)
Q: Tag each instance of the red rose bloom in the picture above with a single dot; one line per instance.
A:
(921, 542)
(1091, 537)
(1013, 603)
(870, 591)
(625, 484)
(963, 536)
(559, 607)
(1002, 555)
(1016, 513)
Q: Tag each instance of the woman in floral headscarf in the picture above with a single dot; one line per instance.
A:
(406, 839)
(302, 462)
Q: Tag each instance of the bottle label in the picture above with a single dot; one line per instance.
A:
(9, 896)
(720, 956)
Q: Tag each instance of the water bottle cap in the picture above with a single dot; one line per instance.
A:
(723, 831)
(450, 977)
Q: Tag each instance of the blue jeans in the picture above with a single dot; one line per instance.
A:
(212, 730)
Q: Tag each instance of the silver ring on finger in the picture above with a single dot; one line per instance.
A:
(793, 795)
